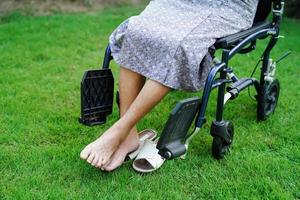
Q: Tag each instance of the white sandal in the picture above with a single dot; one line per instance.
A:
(147, 134)
(148, 159)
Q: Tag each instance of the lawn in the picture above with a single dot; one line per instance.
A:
(42, 60)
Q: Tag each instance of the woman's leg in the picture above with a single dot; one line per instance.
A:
(130, 84)
(103, 148)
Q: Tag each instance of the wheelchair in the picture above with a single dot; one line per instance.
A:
(97, 89)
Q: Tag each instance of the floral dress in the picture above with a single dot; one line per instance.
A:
(168, 40)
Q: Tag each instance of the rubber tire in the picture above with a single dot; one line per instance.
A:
(264, 108)
(219, 146)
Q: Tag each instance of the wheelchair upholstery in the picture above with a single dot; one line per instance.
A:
(229, 41)
(263, 10)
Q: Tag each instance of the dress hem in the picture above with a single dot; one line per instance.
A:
(148, 75)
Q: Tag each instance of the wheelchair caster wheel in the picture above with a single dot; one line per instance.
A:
(222, 139)
(268, 99)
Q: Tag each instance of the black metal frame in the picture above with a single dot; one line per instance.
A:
(224, 69)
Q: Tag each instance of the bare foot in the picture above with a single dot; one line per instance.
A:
(99, 152)
(130, 144)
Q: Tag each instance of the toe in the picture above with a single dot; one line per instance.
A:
(109, 168)
(105, 161)
(84, 154)
(106, 164)
(113, 165)
(100, 163)
(95, 161)
(116, 162)
(91, 158)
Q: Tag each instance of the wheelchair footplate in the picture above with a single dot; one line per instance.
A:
(97, 88)
(172, 141)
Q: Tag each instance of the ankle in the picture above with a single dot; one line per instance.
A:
(122, 131)
(131, 142)
(125, 124)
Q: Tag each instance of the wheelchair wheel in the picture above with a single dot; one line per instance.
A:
(220, 147)
(267, 100)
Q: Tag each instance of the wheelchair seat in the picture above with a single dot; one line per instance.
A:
(263, 10)
(231, 40)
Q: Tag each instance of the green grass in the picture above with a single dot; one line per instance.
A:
(42, 60)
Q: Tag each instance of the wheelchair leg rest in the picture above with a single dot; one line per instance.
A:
(172, 141)
(97, 88)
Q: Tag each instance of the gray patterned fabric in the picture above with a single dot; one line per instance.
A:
(170, 38)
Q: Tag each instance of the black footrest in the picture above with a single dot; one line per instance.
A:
(97, 88)
(171, 143)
